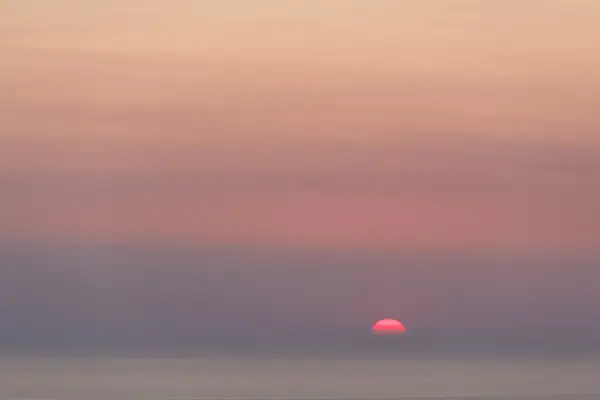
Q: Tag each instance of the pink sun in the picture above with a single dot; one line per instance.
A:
(388, 326)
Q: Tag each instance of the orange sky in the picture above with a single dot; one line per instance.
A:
(332, 123)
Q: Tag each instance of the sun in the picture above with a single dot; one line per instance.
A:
(388, 326)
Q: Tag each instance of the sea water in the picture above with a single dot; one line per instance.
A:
(179, 378)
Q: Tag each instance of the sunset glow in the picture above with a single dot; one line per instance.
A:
(344, 123)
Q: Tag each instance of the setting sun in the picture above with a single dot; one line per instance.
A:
(388, 326)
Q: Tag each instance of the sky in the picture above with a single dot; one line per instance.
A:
(434, 161)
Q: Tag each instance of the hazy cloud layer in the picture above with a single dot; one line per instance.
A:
(74, 296)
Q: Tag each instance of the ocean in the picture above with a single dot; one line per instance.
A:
(254, 377)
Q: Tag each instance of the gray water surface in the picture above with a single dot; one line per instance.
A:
(96, 378)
